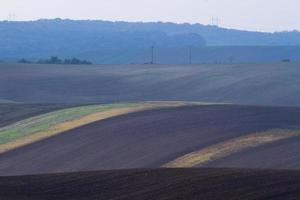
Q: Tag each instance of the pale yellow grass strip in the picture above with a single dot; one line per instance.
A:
(69, 125)
(229, 147)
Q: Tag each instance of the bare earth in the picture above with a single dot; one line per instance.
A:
(155, 137)
(161, 184)
(251, 84)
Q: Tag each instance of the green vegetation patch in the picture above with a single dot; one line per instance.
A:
(45, 121)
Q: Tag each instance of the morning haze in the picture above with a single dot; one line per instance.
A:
(268, 15)
(149, 99)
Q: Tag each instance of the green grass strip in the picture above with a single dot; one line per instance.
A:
(45, 121)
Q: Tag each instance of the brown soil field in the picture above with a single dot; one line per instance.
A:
(152, 138)
(84, 120)
(159, 184)
(274, 84)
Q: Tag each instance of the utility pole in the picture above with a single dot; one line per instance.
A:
(212, 21)
(218, 21)
(11, 17)
(215, 21)
(152, 55)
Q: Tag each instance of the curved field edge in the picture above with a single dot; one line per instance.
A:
(46, 125)
(226, 148)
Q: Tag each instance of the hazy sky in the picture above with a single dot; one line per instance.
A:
(262, 15)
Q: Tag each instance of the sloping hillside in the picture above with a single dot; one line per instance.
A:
(254, 84)
(124, 43)
(46, 125)
(161, 137)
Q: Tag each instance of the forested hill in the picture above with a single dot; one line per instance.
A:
(124, 42)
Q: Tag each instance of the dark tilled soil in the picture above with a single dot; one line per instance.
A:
(10, 112)
(149, 139)
(251, 84)
(161, 184)
(279, 155)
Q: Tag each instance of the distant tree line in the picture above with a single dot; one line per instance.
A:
(287, 60)
(56, 60)
(23, 60)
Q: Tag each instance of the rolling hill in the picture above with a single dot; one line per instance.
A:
(162, 137)
(143, 131)
(48, 124)
(107, 42)
(253, 84)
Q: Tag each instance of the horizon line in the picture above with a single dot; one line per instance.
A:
(149, 22)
